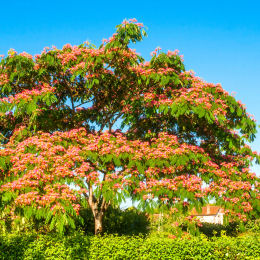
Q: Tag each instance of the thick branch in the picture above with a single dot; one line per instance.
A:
(114, 121)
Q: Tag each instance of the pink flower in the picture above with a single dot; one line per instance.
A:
(171, 236)
(133, 20)
(140, 24)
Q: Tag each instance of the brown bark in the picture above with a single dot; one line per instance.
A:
(98, 207)
(98, 214)
(99, 223)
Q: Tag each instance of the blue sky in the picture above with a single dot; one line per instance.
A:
(219, 39)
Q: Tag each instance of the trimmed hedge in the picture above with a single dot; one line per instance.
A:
(79, 246)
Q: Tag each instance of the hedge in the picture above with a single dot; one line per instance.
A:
(80, 246)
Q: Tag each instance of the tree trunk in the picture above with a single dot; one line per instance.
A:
(98, 208)
(98, 223)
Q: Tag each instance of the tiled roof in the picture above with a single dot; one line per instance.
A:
(207, 210)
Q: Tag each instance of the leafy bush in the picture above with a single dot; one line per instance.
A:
(79, 246)
(117, 221)
(33, 246)
(126, 222)
(253, 226)
(165, 225)
(211, 229)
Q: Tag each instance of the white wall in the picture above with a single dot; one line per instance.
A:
(215, 219)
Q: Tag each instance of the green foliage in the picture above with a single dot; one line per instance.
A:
(253, 226)
(127, 222)
(169, 225)
(32, 246)
(210, 230)
(117, 221)
(37, 223)
(78, 246)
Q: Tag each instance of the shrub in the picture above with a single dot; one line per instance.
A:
(79, 246)
(33, 246)
(210, 229)
(117, 221)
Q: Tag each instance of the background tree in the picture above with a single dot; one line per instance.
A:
(104, 124)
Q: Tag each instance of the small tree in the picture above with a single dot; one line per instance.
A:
(102, 124)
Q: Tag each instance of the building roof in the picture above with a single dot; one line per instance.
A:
(207, 211)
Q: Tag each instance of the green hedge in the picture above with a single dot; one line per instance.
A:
(79, 246)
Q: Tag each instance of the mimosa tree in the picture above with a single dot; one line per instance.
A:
(102, 124)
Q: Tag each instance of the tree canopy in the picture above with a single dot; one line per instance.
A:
(102, 124)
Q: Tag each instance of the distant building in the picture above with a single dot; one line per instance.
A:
(209, 214)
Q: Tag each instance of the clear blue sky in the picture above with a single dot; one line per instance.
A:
(220, 40)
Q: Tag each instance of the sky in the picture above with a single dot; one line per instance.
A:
(220, 40)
